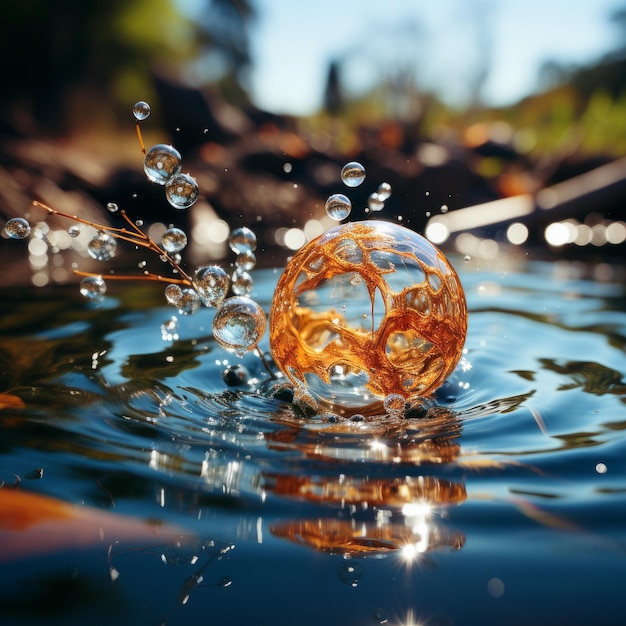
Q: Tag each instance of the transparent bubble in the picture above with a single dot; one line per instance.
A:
(189, 302)
(93, 287)
(173, 240)
(350, 573)
(141, 110)
(112, 207)
(173, 294)
(246, 260)
(16, 228)
(161, 163)
(102, 247)
(338, 206)
(242, 283)
(242, 240)
(394, 404)
(181, 191)
(352, 174)
(169, 329)
(212, 284)
(239, 324)
(384, 190)
(235, 375)
(375, 202)
(73, 231)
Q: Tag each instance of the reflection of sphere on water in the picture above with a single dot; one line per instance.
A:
(366, 310)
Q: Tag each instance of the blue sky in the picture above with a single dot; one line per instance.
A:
(443, 41)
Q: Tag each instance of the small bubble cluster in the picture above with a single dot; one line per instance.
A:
(16, 228)
(169, 329)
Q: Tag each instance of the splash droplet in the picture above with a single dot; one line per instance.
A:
(189, 302)
(212, 284)
(112, 207)
(375, 202)
(444, 208)
(242, 283)
(467, 258)
(242, 240)
(245, 261)
(173, 240)
(394, 404)
(235, 375)
(93, 287)
(181, 191)
(141, 110)
(384, 190)
(352, 174)
(73, 231)
(338, 207)
(16, 228)
(161, 163)
(239, 324)
(102, 247)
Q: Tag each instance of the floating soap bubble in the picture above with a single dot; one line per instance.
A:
(16, 228)
(189, 302)
(415, 316)
(141, 110)
(93, 287)
(239, 324)
(245, 261)
(352, 174)
(102, 247)
(73, 231)
(181, 191)
(212, 284)
(242, 240)
(173, 294)
(242, 283)
(394, 405)
(112, 207)
(161, 163)
(384, 191)
(173, 240)
(338, 207)
(169, 329)
(235, 375)
(375, 202)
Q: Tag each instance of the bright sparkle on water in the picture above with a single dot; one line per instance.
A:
(338, 206)
(93, 287)
(181, 191)
(173, 240)
(161, 163)
(102, 247)
(16, 228)
(141, 110)
(212, 284)
(352, 174)
(242, 240)
(239, 324)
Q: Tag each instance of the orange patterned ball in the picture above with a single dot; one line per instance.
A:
(366, 310)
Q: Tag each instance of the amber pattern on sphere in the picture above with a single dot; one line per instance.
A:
(366, 310)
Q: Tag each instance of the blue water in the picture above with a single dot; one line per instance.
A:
(504, 505)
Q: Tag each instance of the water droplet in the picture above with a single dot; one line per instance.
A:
(181, 191)
(338, 207)
(444, 208)
(16, 228)
(141, 110)
(173, 240)
(242, 283)
(357, 417)
(212, 284)
(394, 404)
(235, 375)
(287, 167)
(73, 231)
(173, 294)
(242, 240)
(112, 207)
(102, 247)
(352, 174)
(161, 163)
(384, 190)
(375, 202)
(239, 324)
(467, 258)
(189, 302)
(93, 287)
(225, 581)
(350, 573)
(169, 329)
(245, 261)
(380, 615)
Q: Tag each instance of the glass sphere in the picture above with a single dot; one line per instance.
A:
(366, 310)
